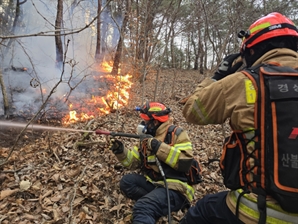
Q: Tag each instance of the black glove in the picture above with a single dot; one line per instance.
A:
(152, 145)
(226, 67)
(116, 146)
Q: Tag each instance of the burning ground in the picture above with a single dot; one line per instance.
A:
(71, 177)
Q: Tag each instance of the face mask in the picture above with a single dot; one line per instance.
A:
(152, 127)
(141, 128)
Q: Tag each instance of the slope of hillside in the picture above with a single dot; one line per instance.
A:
(71, 177)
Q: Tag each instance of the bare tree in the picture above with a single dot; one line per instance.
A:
(7, 46)
(98, 57)
(58, 40)
(4, 94)
(121, 38)
(14, 25)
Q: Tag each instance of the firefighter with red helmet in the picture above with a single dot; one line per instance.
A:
(232, 95)
(148, 188)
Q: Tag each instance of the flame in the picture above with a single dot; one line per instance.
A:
(106, 66)
(116, 97)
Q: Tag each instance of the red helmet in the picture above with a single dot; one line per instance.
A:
(155, 111)
(272, 25)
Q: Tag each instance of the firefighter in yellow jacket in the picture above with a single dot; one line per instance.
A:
(148, 188)
(228, 95)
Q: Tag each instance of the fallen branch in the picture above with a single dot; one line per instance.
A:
(86, 134)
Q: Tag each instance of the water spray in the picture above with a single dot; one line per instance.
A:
(37, 126)
(13, 124)
(121, 134)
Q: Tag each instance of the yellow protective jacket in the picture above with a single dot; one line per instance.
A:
(213, 102)
(175, 156)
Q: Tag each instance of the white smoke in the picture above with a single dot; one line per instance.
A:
(38, 55)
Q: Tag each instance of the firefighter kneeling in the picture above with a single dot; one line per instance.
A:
(171, 146)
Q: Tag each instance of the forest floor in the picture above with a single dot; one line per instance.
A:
(71, 177)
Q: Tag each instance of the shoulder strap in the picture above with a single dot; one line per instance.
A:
(172, 129)
(252, 70)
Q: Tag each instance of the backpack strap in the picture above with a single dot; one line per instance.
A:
(261, 203)
(172, 130)
(261, 193)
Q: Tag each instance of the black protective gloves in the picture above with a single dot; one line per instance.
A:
(152, 145)
(116, 146)
(227, 67)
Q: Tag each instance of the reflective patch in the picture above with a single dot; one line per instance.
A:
(250, 92)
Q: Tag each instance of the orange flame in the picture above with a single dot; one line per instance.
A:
(116, 97)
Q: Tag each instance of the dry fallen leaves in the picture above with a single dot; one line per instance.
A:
(52, 179)
(7, 193)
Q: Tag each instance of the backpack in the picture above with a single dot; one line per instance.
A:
(275, 169)
(192, 176)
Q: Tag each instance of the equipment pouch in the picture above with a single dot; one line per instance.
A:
(229, 162)
(194, 174)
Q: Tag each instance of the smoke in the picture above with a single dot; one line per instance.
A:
(29, 67)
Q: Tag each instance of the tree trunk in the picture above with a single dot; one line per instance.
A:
(98, 57)
(137, 33)
(106, 19)
(149, 10)
(141, 32)
(14, 25)
(196, 52)
(201, 52)
(5, 99)
(120, 42)
(58, 40)
(187, 52)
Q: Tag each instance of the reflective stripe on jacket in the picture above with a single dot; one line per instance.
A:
(176, 156)
(215, 102)
(248, 209)
(188, 190)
